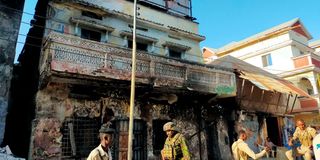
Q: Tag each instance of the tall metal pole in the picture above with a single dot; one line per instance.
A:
(133, 80)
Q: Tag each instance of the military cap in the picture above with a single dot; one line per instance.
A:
(105, 128)
(170, 126)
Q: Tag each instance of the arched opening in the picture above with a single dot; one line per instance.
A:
(305, 84)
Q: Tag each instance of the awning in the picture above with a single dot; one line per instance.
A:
(259, 77)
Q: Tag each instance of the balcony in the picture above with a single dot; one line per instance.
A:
(71, 56)
(308, 104)
(306, 60)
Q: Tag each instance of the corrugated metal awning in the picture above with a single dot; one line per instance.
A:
(272, 84)
(259, 77)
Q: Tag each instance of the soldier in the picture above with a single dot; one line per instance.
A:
(102, 152)
(175, 147)
(304, 135)
(241, 150)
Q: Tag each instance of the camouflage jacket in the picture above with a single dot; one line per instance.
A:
(175, 148)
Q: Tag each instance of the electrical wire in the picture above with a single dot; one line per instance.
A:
(53, 29)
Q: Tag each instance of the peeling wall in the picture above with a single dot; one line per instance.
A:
(253, 125)
(56, 103)
(9, 28)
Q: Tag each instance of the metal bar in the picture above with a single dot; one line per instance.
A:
(294, 102)
(133, 80)
(190, 8)
(72, 139)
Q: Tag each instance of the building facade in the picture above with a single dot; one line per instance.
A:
(80, 69)
(10, 18)
(282, 50)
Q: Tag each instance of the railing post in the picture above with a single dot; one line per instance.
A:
(152, 68)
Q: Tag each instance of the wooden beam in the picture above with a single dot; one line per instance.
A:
(294, 102)
(278, 101)
(251, 92)
(287, 104)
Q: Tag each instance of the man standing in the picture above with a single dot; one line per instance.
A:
(304, 135)
(241, 150)
(102, 152)
(175, 147)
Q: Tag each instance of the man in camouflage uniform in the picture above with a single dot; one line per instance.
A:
(304, 135)
(175, 147)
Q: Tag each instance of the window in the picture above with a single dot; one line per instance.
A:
(301, 52)
(175, 54)
(266, 60)
(81, 131)
(175, 50)
(91, 35)
(140, 46)
(91, 15)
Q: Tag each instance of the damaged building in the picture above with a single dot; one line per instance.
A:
(265, 104)
(76, 76)
(10, 18)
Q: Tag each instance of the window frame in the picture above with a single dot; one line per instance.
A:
(172, 52)
(266, 60)
(90, 30)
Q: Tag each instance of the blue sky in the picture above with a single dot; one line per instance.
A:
(224, 21)
(25, 25)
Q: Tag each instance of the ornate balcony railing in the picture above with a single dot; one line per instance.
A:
(73, 55)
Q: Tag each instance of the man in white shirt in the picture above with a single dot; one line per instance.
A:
(241, 150)
(304, 135)
(102, 152)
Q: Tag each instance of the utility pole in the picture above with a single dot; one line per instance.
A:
(133, 80)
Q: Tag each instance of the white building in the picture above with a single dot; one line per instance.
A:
(281, 50)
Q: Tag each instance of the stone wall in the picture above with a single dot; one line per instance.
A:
(56, 103)
(10, 17)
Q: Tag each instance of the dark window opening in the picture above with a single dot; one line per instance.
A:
(85, 131)
(175, 54)
(159, 136)
(91, 15)
(310, 91)
(91, 35)
(138, 28)
(140, 46)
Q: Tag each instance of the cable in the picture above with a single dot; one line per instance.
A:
(46, 28)
(155, 46)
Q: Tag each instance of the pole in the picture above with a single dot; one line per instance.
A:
(133, 80)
